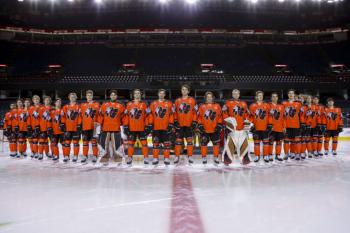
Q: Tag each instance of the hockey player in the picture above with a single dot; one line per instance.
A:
(8, 130)
(72, 131)
(136, 125)
(89, 118)
(58, 127)
(45, 126)
(334, 126)
(34, 127)
(185, 122)
(23, 122)
(292, 141)
(321, 124)
(110, 117)
(277, 121)
(162, 121)
(210, 126)
(259, 116)
(236, 108)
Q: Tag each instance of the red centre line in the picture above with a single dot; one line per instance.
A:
(185, 216)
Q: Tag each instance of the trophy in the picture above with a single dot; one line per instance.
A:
(236, 145)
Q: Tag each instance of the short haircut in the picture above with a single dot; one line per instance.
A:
(19, 99)
(160, 90)
(208, 93)
(259, 92)
(291, 90)
(47, 97)
(186, 86)
(133, 91)
(58, 99)
(72, 93)
(316, 97)
(113, 91)
(330, 99)
(236, 90)
(274, 93)
(89, 92)
(36, 97)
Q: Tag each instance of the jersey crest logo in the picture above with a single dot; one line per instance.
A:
(275, 114)
(160, 112)
(332, 115)
(112, 112)
(89, 112)
(237, 110)
(184, 108)
(209, 114)
(72, 115)
(260, 113)
(136, 113)
(290, 111)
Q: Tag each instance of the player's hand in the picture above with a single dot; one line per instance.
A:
(201, 128)
(269, 129)
(50, 132)
(340, 129)
(37, 130)
(170, 128)
(218, 128)
(176, 125)
(148, 129)
(16, 129)
(79, 129)
(194, 125)
(126, 130)
(252, 129)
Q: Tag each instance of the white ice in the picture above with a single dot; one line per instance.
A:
(305, 196)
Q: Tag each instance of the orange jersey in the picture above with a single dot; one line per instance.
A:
(136, 116)
(185, 111)
(7, 120)
(71, 117)
(209, 115)
(292, 114)
(334, 118)
(236, 109)
(45, 118)
(311, 115)
(321, 115)
(34, 115)
(161, 114)
(23, 119)
(259, 115)
(89, 115)
(276, 117)
(14, 118)
(111, 115)
(57, 116)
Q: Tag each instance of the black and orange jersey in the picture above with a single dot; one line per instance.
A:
(292, 114)
(237, 109)
(185, 111)
(14, 118)
(310, 115)
(71, 117)
(259, 115)
(45, 118)
(7, 120)
(334, 118)
(321, 115)
(136, 116)
(210, 116)
(23, 119)
(57, 116)
(89, 115)
(276, 117)
(161, 114)
(34, 115)
(111, 116)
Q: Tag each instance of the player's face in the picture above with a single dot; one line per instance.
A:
(209, 98)
(12, 106)
(36, 101)
(161, 95)
(274, 98)
(184, 91)
(235, 94)
(308, 99)
(113, 96)
(27, 103)
(331, 103)
(260, 97)
(316, 100)
(137, 95)
(89, 96)
(73, 98)
(19, 104)
(47, 101)
(58, 103)
(291, 95)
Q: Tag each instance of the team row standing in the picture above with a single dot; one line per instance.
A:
(302, 124)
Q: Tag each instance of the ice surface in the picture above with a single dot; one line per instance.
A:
(305, 196)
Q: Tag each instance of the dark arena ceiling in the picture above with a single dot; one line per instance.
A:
(267, 14)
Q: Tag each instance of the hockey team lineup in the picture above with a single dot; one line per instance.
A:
(300, 126)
